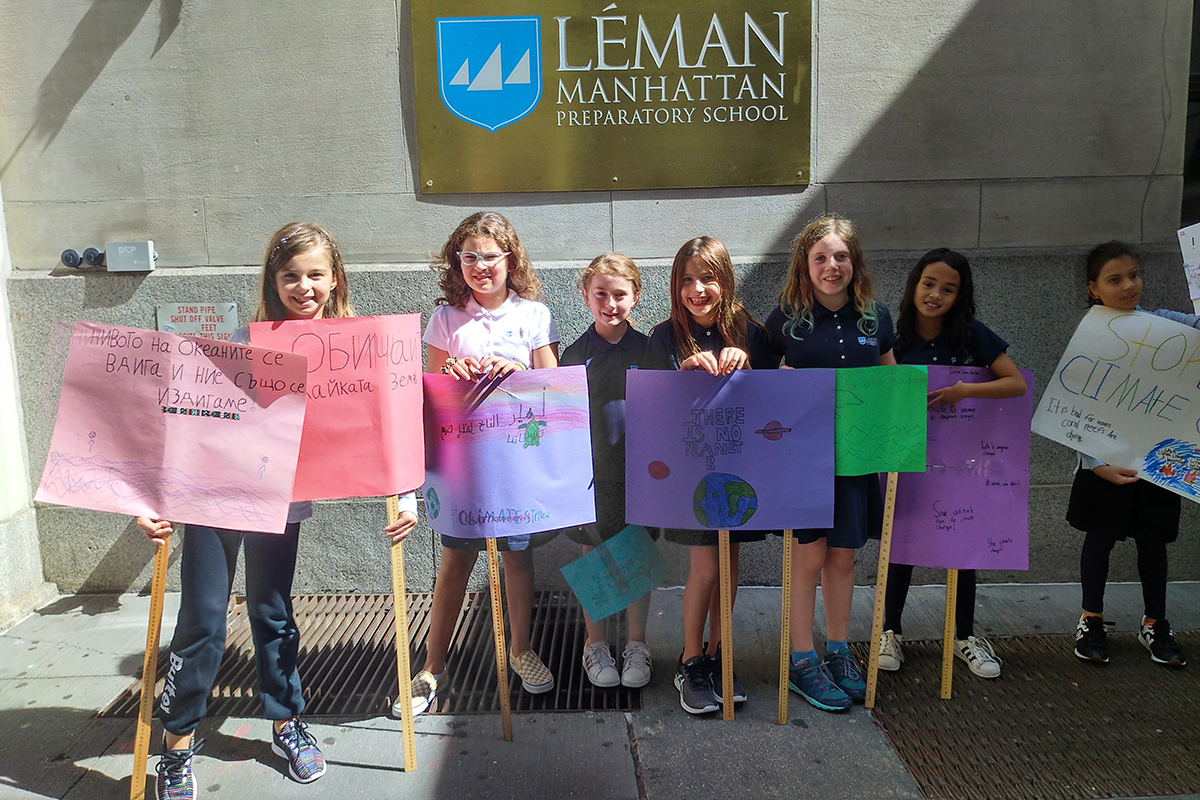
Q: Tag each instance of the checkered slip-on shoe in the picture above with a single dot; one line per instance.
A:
(535, 677)
(425, 687)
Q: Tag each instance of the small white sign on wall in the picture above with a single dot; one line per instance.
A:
(210, 320)
(1189, 244)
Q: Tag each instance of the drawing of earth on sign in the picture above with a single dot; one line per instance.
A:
(432, 504)
(722, 500)
(1175, 464)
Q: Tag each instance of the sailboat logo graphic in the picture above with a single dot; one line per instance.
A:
(490, 68)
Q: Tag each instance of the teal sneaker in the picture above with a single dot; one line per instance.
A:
(847, 674)
(811, 680)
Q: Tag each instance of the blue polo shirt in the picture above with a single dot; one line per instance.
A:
(662, 351)
(983, 348)
(606, 365)
(835, 339)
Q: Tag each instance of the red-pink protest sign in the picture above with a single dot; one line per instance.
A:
(363, 434)
(176, 427)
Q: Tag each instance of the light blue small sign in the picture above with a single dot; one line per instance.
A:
(490, 68)
(616, 573)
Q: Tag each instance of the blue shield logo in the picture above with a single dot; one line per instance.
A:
(490, 68)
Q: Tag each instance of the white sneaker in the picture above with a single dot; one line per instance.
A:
(600, 666)
(979, 655)
(635, 665)
(891, 653)
(424, 691)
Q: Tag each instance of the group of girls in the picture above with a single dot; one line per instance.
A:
(489, 322)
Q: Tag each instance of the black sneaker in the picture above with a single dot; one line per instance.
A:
(695, 687)
(1157, 638)
(716, 676)
(174, 768)
(1091, 640)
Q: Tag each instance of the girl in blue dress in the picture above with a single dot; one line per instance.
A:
(828, 317)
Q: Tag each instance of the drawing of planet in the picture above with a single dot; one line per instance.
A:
(722, 500)
(658, 470)
(433, 506)
(773, 431)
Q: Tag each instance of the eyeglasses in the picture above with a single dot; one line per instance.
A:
(469, 259)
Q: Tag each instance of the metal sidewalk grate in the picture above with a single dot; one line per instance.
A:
(347, 659)
(1050, 726)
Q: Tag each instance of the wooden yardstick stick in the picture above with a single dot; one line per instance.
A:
(141, 742)
(493, 556)
(403, 668)
(785, 629)
(885, 550)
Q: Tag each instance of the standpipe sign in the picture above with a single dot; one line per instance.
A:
(562, 95)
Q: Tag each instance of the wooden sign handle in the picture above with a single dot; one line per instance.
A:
(948, 633)
(726, 624)
(493, 557)
(403, 667)
(141, 742)
(785, 629)
(885, 551)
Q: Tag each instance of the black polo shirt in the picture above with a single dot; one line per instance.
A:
(983, 348)
(662, 351)
(606, 365)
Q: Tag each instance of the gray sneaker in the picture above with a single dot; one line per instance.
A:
(695, 686)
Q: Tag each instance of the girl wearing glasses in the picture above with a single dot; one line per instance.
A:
(487, 322)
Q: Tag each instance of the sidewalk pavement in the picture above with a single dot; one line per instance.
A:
(64, 663)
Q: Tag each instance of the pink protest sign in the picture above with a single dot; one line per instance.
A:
(176, 427)
(970, 509)
(363, 433)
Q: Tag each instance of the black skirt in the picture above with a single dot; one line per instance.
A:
(1139, 510)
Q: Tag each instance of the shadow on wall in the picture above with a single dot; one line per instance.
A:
(104, 28)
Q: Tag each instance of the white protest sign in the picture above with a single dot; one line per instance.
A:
(210, 320)
(1189, 245)
(1125, 392)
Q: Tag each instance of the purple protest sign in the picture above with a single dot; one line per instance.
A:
(508, 456)
(978, 432)
(970, 510)
(962, 519)
(753, 449)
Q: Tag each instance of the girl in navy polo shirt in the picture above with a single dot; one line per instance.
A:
(828, 317)
(611, 287)
(709, 330)
(937, 325)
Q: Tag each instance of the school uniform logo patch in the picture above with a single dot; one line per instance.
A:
(490, 68)
(871, 340)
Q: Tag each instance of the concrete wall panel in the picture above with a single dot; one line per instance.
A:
(750, 222)
(956, 89)
(904, 215)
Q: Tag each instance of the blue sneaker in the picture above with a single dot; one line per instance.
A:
(847, 674)
(174, 768)
(811, 680)
(299, 747)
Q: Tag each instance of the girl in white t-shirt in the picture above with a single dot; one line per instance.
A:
(487, 322)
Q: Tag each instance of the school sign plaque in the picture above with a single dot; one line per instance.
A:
(560, 95)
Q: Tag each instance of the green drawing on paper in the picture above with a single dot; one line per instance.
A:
(533, 430)
(880, 420)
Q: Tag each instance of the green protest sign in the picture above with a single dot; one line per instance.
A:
(880, 420)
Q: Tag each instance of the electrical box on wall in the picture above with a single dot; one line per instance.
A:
(129, 256)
